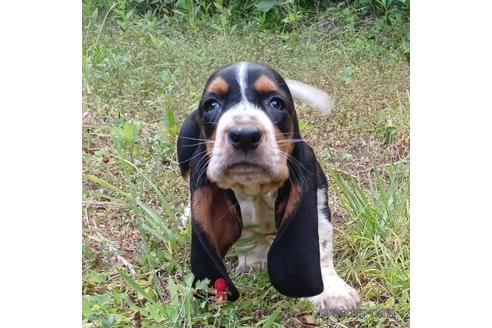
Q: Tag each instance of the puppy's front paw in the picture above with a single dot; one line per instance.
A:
(244, 267)
(337, 295)
(256, 259)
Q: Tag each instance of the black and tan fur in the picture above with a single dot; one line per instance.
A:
(246, 162)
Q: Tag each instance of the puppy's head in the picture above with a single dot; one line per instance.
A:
(248, 118)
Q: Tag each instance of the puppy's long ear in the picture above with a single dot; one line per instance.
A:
(188, 139)
(216, 225)
(215, 212)
(293, 258)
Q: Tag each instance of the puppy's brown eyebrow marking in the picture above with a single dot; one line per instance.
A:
(264, 84)
(218, 86)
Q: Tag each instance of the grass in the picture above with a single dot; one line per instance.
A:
(140, 81)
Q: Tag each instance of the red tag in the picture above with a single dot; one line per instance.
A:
(220, 286)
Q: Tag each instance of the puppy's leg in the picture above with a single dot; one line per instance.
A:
(255, 258)
(256, 215)
(337, 295)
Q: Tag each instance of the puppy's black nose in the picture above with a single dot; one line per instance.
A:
(245, 138)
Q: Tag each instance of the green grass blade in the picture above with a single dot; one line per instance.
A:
(107, 185)
(135, 285)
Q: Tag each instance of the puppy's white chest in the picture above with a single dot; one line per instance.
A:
(258, 213)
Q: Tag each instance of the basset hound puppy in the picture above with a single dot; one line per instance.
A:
(252, 175)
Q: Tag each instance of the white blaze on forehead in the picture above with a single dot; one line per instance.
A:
(242, 68)
(244, 110)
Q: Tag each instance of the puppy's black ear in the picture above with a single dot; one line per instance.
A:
(215, 212)
(188, 138)
(293, 258)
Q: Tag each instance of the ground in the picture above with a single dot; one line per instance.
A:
(140, 81)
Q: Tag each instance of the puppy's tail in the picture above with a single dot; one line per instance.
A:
(311, 96)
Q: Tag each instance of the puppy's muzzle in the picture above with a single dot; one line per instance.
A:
(245, 138)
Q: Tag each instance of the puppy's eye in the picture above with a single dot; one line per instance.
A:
(212, 105)
(276, 103)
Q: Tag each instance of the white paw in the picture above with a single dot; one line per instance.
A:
(243, 267)
(337, 295)
(258, 259)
